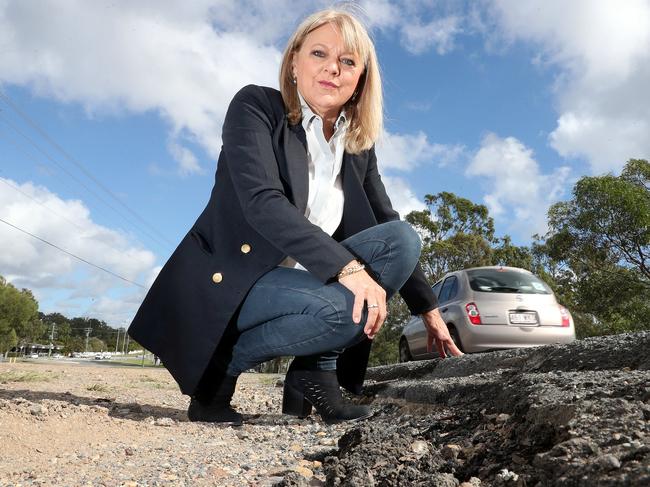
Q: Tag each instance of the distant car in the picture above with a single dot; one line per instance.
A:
(33, 355)
(492, 308)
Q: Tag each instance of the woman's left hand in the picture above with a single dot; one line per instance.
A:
(437, 332)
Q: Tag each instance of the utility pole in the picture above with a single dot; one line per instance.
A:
(51, 339)
(127, 344)
(117, 341)
(87, 330)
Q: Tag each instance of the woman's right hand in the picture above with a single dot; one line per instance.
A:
(366, 290)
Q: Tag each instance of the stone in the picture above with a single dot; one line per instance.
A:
(420, 448)
(506, 475)
(38, 410)
(164, 422)
(608, 462)
(450, 452)
(444, 480)
(304, 471)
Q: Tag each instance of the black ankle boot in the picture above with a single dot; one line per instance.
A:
(218, 408)
(319, 388)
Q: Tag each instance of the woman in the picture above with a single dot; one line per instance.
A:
(298, 248)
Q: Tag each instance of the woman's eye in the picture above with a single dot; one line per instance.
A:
(318, 53)
(348, 62)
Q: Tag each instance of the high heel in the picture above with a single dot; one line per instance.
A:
(216, 409)
(294, 402)
(320, 389)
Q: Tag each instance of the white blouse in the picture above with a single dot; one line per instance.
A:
(325, 200)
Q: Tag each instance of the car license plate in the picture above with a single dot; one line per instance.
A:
(526, 318)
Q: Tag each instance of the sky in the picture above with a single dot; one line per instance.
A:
(111, 114)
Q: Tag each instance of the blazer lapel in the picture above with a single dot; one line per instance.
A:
(297, 170)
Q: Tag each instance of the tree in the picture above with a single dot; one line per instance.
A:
(8, 341)
(18, 312)
(455, 232)
(96, 345)
(601, 237)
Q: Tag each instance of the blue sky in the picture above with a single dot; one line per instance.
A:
(506, 103)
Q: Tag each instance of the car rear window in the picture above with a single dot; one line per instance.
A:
(506, 281)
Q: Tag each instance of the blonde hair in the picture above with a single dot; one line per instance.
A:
(363, 111)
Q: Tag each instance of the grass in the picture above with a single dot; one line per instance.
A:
(17, 376)
(268, 379)
(134, 361)
(144, 382)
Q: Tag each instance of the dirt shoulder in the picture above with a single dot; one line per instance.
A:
(65, 424)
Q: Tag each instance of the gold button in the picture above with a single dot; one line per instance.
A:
(245, 248)
(217, 277)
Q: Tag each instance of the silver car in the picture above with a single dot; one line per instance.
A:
(491, 308)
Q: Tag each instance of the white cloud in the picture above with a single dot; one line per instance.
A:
(602, 50)
(403, 152)
(28, 262)
(401, 195)
(438, 33)
(139, 56)
(519, 194)
(187, 162)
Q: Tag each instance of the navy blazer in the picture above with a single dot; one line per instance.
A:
(253, 220)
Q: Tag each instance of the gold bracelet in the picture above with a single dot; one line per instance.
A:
(351, 269)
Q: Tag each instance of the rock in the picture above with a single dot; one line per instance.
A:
(444, 480)
(503, 418)
(472, 482)
(304, 471)
(420, 448)
(38, 410)
(505, 476)
(608, 462)
(573, 447)
(164, 422)
(450, 452)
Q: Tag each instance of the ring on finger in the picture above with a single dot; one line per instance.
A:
(373, 306)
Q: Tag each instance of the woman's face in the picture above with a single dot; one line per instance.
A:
(326, 72)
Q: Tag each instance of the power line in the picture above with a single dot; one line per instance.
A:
(73, 255)
(31, 142)
(70, 158)
(2, 180)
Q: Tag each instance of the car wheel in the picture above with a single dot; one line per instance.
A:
(456, 338)
(404, 352)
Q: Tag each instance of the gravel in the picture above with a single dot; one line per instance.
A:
(570, 415)
(65, 424)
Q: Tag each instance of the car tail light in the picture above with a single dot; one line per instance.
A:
(473, 314)
(566, 317)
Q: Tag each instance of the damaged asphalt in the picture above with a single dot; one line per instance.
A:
(560, 415)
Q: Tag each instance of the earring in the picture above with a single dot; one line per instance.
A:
(294, 81)
(354, 96)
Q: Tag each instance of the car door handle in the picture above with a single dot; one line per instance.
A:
(444, 310)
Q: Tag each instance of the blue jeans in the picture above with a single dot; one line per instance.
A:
(291, 312)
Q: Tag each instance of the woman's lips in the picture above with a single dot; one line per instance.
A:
(327, 84)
